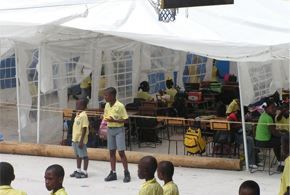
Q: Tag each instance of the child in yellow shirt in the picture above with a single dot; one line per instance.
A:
(146, 170)
(6, 177)
(115, 115)
(165, 172)
(54, 175)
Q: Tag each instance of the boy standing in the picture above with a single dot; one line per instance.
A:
(165, 172)
(6, 177)
(146, 170)
(80, 138)
(54, 175)
(115, 114)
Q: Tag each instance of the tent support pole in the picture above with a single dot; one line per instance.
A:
(243, 120)
(18, 97)
(95, 75)
(38, 93)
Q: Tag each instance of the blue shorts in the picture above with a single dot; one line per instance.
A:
(116, 138)
(80, 152)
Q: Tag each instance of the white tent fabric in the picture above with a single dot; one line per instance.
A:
(262, 79)
(246, 31)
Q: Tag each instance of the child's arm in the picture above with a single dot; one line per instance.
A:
(121, 117)
(84, 130)
(111, 119)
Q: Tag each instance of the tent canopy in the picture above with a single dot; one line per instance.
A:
(246, 31)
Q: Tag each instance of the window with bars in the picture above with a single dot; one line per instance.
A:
(156, 82)
(69, 74)
(122, 68)
(7, 73)
(194, 69)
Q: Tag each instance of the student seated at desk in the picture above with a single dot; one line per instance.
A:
(237, 127)
(143, 91)
(266, 133)
(282, 118)
(171, 91)
(233, 106)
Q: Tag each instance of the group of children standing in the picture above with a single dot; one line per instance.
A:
(115, 115)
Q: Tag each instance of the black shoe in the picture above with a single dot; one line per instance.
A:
(81, 175)
(74, 174)
(111, 177)
(127, 177)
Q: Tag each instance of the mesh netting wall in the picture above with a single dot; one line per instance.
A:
(55, 70)
(8, 99)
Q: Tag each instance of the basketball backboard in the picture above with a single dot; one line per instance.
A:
(166, 4)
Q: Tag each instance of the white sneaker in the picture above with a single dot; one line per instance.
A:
(253, 166)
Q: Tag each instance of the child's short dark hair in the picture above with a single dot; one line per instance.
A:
(84, 101)
(250, 185)
(151, 164)
(6, 173)
(112, 91)
(144, 85)
(57, 170)
(169, 83)
(166, 168)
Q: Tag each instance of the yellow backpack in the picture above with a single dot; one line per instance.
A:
(193, 141)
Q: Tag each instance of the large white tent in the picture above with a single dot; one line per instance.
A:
(245, 31)
(52, 33)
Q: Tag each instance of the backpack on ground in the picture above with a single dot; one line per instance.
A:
(193, 141)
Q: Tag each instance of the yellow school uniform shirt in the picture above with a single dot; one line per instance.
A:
(234, 106)
(285, 182)
(117, 112)
(8, 190)
(81, 121)
(86, 82)
(144, 95)
(170, 189)
(59, 192)
(283, 123)
(102, 86)
(151, 187)
(171, 92)
(214, 73)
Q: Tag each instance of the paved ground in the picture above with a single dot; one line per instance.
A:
(29, 172)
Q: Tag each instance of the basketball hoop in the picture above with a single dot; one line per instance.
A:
(167, 15)
(164, 15)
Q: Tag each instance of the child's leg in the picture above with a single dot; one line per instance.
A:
(84, 155)
(121, 145)
(86, 163)
(79, 163)
(124, 159)
(113, 159)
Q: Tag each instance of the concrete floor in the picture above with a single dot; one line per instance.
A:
(29, 171)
